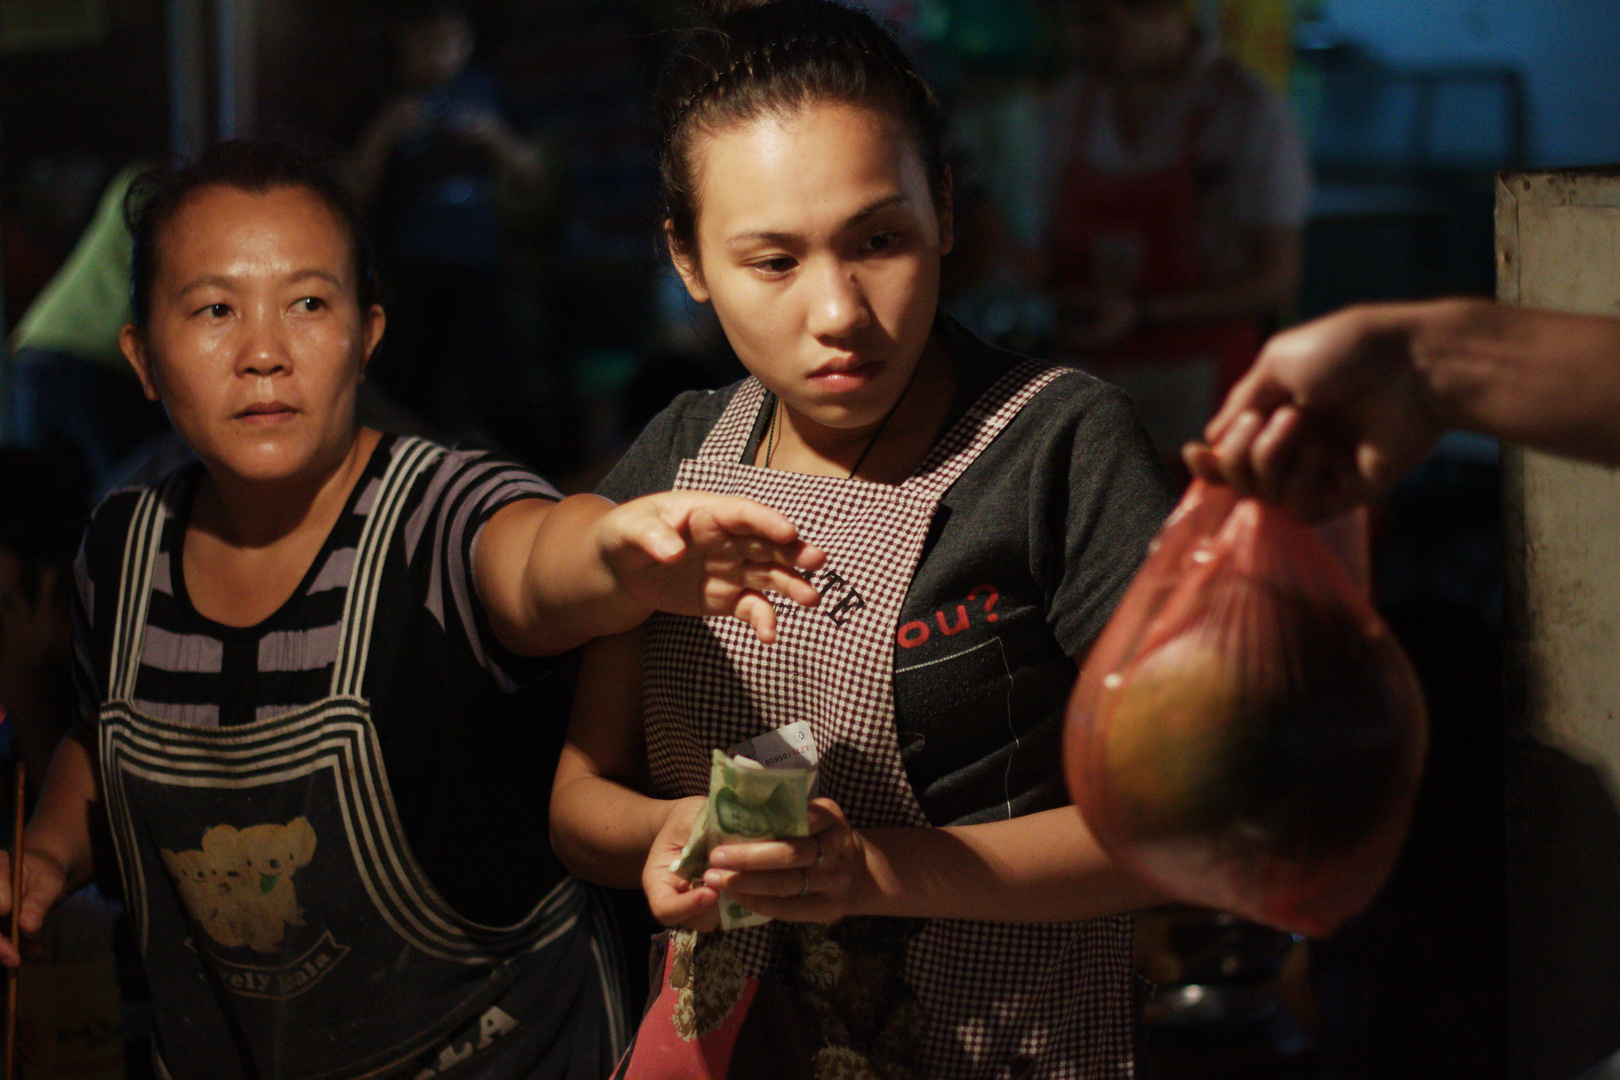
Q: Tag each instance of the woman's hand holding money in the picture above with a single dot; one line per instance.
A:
(810, 879)
(674, 901)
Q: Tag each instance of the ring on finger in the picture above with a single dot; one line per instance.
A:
(804, 890)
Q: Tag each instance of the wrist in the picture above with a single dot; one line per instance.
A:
(611, 578)
(669, 811)
(610, 583)
(873, 884)
(1442, 352)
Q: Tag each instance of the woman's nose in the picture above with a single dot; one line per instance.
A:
(264, 349)
(838, 306)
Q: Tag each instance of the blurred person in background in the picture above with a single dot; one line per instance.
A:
(44, 500)
(72, 391)
(440, 174)
(73, 981)
(1177, 193)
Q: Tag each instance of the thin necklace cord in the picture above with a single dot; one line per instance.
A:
(770, 432)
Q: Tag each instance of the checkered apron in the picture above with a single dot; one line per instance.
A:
(1003, 1001)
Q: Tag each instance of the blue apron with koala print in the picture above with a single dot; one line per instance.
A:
(286, 927)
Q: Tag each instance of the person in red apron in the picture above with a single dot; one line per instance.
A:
(308, 689)
(1174, 220)
(950, 915)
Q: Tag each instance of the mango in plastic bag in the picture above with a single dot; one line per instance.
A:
(1246, 734)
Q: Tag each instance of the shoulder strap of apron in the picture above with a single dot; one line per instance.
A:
(950, 456)
(729, 437)
(978, 427)
(410, 456)
(141, 542)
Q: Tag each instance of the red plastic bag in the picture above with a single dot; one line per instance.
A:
(1245, 733)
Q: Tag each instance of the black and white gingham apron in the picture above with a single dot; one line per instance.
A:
(352, 964)
(1003, 1001)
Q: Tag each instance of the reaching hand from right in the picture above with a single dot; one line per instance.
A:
(1331, 415)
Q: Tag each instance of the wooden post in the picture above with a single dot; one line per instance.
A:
(1558, 247)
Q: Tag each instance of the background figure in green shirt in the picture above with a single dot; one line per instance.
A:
(71, 389)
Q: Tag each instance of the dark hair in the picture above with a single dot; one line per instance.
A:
(255, 167)
(747, 59)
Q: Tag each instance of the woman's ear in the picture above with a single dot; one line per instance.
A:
(133, 344)
(685, 265)
(375, 323)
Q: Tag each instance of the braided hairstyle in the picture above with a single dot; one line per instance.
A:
(745, 59)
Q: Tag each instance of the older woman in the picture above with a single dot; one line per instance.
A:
(308, 693)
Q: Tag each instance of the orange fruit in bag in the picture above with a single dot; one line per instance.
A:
(1245, 733)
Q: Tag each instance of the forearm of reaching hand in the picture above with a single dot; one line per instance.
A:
(1044, 867)
(1547, 380)
(544, 580)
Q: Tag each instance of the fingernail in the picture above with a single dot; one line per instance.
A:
(718, 858)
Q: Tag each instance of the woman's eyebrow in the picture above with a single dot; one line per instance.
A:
(759, 236)
(227, 281)
(314, 272)
(771, 236)
(897, 199)
(202, 281)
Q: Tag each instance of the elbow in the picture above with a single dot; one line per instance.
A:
(571, 853)
(566, 842)
(586, 848)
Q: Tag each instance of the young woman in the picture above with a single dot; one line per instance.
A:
(981, 515)
(308, 698)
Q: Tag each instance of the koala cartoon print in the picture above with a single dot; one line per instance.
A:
(270, 854)
(202, 889)
(238, 885)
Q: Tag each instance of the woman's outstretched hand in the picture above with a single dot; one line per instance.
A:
(694, 553)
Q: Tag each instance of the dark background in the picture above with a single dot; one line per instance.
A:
(1409, 109)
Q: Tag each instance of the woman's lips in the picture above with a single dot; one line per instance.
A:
(841, 375)
(266, 412)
